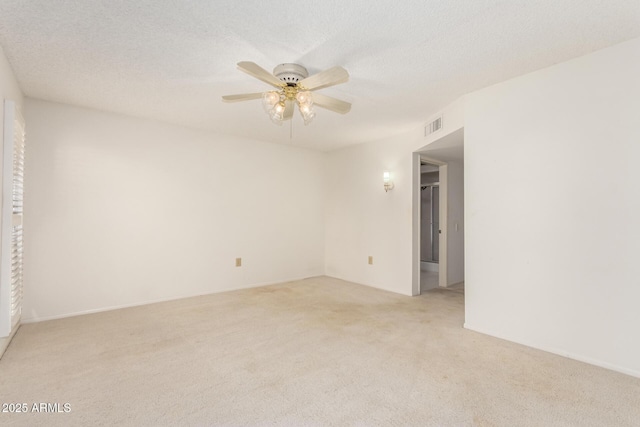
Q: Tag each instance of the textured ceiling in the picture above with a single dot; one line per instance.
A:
(173, 60)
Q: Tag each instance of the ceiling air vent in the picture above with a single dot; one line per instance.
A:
(434, 126)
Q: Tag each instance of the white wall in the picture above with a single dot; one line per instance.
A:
(545, 265)
(362, 220)
(121, 211)
(9, 89)
(452, 121)
(551, 256)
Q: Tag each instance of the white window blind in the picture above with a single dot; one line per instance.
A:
(11, 267)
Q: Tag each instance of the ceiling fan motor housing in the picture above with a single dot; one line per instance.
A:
(290, 74)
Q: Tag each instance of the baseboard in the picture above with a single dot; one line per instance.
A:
(393, 291)
(559, 352)
(37, 319)
(454, 284)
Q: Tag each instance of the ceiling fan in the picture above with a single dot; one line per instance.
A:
(293, 86)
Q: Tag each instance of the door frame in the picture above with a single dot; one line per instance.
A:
(418, 159)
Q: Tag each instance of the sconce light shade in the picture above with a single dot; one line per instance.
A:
(388, 184)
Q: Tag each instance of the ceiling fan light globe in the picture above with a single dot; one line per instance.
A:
(270, 99)
(277, 120)
(309, 120)
(279, 108)
(276, 117)
(307, 114)
(305, 109)
(277, 113)
(304, 98)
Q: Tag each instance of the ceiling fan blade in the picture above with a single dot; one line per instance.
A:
(259, 73)
(326, 78)
(330, 103)
(242, 97)
(288, 110)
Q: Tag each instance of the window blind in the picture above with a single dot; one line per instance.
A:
(11, 267)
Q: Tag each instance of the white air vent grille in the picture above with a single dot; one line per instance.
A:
(432, 127)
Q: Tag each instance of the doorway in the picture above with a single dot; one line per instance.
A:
(429, 226)
(442, 254)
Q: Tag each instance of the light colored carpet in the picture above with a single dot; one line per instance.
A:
(314, 352)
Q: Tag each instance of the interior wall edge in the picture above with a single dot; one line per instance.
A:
(4, 342)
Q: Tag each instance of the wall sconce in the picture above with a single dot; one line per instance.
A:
(388, 184)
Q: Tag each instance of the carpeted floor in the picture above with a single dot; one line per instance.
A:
(314, 352)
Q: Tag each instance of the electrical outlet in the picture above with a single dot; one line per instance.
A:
(370, 259)
(238, 262)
